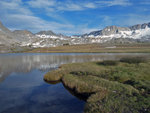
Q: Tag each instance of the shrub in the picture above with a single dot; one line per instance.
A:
(80, 73)
(133, 60)
(66, 44)
(108, 63)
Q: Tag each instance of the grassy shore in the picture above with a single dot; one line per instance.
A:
(111, 86)
(96, 48)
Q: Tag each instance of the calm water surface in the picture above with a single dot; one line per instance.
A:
(22, 89)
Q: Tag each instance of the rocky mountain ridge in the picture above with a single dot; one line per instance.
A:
(112, 30)
(110, 34)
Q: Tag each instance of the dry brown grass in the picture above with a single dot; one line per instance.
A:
(95, 48)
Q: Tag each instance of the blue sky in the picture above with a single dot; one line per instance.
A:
(72, 16)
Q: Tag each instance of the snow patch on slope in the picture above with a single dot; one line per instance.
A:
(47, 36)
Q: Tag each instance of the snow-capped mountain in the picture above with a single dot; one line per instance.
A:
(137, 32)
(24, 38)
(47, 34)
(115, 34)
(110, 34)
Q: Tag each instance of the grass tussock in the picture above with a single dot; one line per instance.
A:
(53, 76)
(111, 86)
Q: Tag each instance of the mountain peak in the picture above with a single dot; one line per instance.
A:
(49, 32)
(140, 26)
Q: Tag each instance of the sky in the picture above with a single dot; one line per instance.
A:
(72, 17)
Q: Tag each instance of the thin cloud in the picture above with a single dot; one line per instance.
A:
(14, 6)
(53, 5)
(17, 16)
(36, 24)
(71, 5)
(90, 5)
(41, 3)
(114, 3)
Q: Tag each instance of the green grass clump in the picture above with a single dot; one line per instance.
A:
(53, 76)
(122, 87)
(117, 103)
(95, 84)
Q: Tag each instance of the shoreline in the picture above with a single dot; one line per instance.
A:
(87, 48)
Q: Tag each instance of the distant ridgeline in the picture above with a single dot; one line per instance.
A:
(111, 34)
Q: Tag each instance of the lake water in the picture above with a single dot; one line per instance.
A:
(23, 90)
